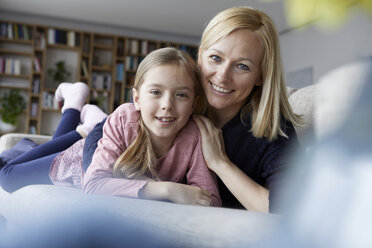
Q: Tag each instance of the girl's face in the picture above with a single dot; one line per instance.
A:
(165, 99)
(230, 69)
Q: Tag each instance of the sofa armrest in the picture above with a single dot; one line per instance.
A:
(7, 141)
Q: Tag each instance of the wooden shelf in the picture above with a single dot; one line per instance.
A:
(12, 52)
(27, 42)
(97, 58)
(14, 76)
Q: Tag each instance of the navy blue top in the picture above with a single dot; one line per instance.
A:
(263, 161)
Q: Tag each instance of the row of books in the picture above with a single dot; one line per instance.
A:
(10, 66)
(15, 31)
(34, 109)
(57, 36)
(49, 100)
(40, 40)
(142, 47)
(36, 86)
(37, 64)
(101, 81)
(132, 62)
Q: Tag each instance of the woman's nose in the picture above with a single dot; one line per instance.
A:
(223, 73)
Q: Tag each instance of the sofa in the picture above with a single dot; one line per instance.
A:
(53, 216)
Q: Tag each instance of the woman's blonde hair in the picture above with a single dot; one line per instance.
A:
(269, 101)
(139, 158)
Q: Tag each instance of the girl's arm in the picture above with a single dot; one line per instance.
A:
(117, 134)
(249, 193)
(176, 192)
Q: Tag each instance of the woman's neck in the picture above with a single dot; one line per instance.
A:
(220, 117)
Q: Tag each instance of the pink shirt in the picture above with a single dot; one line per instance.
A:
(184, 162)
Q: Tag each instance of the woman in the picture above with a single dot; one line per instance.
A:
(249, 112)
(242, 77)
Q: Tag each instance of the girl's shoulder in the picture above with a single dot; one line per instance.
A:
(191, 130)
(127, 112)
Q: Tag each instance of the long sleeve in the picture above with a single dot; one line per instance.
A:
(119, 131)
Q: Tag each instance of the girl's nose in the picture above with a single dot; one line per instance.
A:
(167, 102)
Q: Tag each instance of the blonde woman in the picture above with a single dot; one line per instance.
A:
(249, 134)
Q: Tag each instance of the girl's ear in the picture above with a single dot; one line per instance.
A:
(135, 94)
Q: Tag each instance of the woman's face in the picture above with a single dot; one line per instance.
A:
(230, 69)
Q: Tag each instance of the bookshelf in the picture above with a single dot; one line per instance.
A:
(106, 63)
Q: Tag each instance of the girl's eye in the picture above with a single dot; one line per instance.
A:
(215, 58)
(183, 95)
(243, 67)
(155, 92)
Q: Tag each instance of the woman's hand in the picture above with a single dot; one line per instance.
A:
(212, 143)
(177, 193)
(249, 193)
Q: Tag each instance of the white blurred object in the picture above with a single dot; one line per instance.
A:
(336, 95)
(329, 197)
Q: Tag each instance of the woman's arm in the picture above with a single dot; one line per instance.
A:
(249, 193)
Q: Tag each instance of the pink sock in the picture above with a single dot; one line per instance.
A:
(74, 95)
(90, 115)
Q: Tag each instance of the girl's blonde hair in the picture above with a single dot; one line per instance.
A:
(269, 101)
(139, 158)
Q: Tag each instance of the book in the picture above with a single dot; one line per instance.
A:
(51, 36)
(71, 38)
(85, 68)
(37, 65)
(17, 67)
(134, 46)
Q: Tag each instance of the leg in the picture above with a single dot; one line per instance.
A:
(73, 96)
(55, 145)
(70, 119)
(13, 177)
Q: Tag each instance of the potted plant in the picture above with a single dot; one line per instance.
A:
(12, 105)
(59, 73)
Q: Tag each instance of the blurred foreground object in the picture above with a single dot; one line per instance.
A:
(325, 13)
(329, 197)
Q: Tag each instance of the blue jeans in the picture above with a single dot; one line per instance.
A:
(32, 167)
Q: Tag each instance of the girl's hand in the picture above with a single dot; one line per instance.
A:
(188, 194)
(176, 192)
(212, 142)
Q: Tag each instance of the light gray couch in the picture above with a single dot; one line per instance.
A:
(173, 225)
(154, 223)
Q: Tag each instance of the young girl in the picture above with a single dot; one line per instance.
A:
(77, 120)
(151, 147)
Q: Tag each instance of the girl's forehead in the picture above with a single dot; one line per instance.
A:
(168, 76)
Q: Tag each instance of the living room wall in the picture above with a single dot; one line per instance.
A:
(310, 49)
(325, 49)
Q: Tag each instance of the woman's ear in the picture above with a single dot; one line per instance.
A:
(199, 56)
(135, 94)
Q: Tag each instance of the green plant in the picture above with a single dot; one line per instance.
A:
(12, 105)
(59, 73)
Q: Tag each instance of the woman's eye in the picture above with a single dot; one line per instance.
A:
(243, 67)
(155, 92)
(216, 58)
